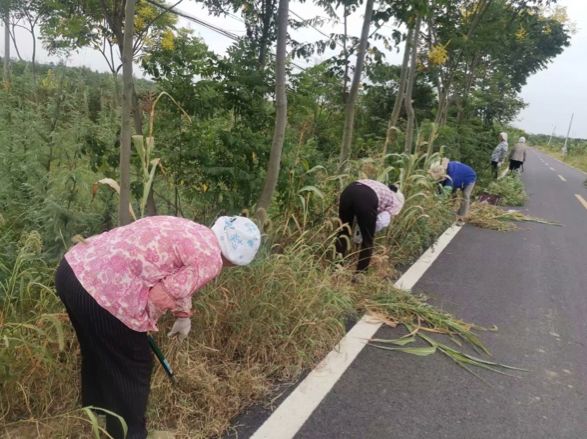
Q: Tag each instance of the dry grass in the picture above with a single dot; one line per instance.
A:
(424, 323)
(487, 216)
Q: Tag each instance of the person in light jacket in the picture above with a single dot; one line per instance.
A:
(116, 285)
(373, 204)
(454, 176)
(518, 155)
(499, 153)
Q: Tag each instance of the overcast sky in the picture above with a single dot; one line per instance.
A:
(552, 95)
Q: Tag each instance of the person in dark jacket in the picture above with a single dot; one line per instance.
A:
(456, 175)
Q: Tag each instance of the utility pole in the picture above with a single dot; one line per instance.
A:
(565, 149)
(551, 134)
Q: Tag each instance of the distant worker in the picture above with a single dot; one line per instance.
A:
(373, 204)
(456, 175)
(499, 153)
(116, 285)
(518, 155)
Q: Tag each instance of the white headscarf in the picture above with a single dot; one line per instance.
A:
(522, 140)
(504, 136)
(239, 238)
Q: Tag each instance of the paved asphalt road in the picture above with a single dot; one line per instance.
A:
(532, 284)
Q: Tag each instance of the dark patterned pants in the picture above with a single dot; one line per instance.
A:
(116, 361)
(358, 201)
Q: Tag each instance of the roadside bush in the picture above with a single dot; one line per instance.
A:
(509, 190)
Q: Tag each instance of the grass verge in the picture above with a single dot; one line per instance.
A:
(576, 160)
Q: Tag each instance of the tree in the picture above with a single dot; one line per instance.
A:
(280, 113)
(401, 91)
(493, 41)
(26, 15)
(71, 24)
(5, 11)
(260, 18)
(409, 87)
(349, 121)
(127, 102)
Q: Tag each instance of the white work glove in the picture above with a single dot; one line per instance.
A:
(357, 237)
(383, 220)
(181, 328)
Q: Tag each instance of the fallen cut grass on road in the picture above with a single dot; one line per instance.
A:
(488, 216)
(423, 322)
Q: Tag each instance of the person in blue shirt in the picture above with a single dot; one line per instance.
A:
(453, 176)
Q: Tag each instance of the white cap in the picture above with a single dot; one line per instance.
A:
(400, 203)
(239, 238)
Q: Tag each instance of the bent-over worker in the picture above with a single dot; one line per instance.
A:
(373, 204)
(116, 285)
(456, 175)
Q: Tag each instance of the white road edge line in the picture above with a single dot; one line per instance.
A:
(562, 178)
(289, 417)
(581, 200)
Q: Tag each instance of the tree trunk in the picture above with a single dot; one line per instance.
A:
(34, 55)
(6, 76)
(127, 102)
(280, 113)
(411, 115)
(349, 107)
(345, 81)
(471, 76)
(399, 98)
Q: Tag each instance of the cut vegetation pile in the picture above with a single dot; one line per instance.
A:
(509, 191)
(396, 307)
(487, 216)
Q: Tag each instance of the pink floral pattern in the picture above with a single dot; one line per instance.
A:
(388, 201)
(118, 268)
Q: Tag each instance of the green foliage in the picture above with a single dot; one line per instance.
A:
(68, 25)
(509, 189)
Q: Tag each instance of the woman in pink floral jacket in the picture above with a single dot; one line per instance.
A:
(116, 285)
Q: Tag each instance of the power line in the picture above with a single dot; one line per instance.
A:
(311, 25)
(207, 25)
(203, 23)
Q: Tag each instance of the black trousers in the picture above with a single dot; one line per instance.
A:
(494, 169)
(358, 201)
(515, 165)
(116, 361)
